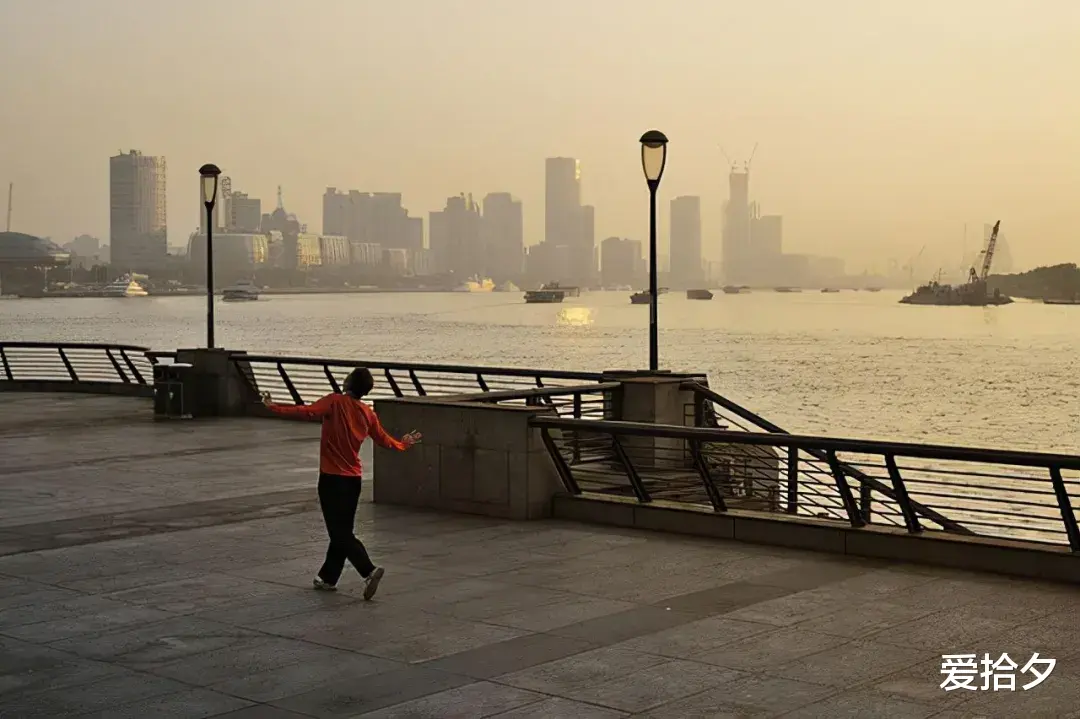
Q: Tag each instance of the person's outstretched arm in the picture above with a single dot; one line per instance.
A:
(384, 439)
(315, 411)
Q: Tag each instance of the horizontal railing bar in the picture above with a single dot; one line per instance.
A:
(424, 367)
(497, 395)
(20, 344)
(919, 451)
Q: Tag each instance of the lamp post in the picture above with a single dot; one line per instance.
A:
(653, 159)
(209, 174)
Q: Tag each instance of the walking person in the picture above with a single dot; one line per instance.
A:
(346, 423)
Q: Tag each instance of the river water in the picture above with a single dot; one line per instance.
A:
(848, 364)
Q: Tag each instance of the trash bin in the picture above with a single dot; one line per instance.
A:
(172, 390)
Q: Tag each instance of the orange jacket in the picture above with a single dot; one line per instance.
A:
(346, 423)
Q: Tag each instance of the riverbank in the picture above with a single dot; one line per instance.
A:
(197, 292)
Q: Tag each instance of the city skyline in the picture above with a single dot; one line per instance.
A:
(880, 129)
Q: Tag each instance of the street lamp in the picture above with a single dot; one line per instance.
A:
(209, 174)
(653, 159)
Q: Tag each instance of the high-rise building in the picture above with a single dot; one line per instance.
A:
(454, 235)
(245, 213)
(767, 236)
(137, 219)
(584, 269)
(685, 242)
(372, 218)
(562, 200)
(502, 237)
(736, 238)
(566, 224)
(621, 262)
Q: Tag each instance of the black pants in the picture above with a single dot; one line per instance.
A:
(338, 497)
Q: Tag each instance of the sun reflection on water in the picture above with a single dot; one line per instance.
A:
(575, 316)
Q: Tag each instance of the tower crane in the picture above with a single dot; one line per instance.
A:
(734, 165)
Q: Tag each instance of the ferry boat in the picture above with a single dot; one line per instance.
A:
(475, 284)
(788, 289)
(699, 295)
(242, 291)
(125, 286)
(735, 290)
(826, 290)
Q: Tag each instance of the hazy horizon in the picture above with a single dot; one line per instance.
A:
(881, 126)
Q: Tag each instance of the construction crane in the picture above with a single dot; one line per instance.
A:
(988, 257)
(910, 267)
(10, 191)
(735, 165)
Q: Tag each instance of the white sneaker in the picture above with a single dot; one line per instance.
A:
(372, 582)
(319, 584)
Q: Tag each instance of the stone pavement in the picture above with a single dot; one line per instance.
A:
(162, 570)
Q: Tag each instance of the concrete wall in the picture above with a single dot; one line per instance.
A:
(1024, 559)
(476, 458)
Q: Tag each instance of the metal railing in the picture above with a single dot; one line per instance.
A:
(303, 380)
(984, 492)
(75, 366)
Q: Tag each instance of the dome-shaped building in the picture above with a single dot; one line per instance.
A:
(25, 250)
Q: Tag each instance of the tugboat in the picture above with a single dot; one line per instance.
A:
(551, 293)
(642, 297)
(699, 295)
(972, 294)
(242, 291)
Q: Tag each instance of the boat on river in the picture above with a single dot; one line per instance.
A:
(242, 291)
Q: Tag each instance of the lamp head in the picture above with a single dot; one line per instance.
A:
(209, 174)
(653, 156)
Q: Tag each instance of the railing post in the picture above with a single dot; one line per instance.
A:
(116, 366)
(7, 367)
(845, 491)
(416, 383)
(715, 496)
(67, 363)
(866, 501)
(297, 399)
(911, 520)
(792, 480)
(480, 381)
(1068, 517)
(631, 473)
(331, 379)
(560, 463)
(393, 383)
(577, 405)
(133, 369)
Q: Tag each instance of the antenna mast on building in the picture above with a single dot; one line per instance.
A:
(280, 201)
(10, 191)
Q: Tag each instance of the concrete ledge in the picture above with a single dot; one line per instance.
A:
(119, 389)
(1022, 559)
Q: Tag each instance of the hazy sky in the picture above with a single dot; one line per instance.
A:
(883, 125)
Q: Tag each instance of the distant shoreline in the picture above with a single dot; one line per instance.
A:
(86, 294)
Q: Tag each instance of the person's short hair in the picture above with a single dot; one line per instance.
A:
(359, 383)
